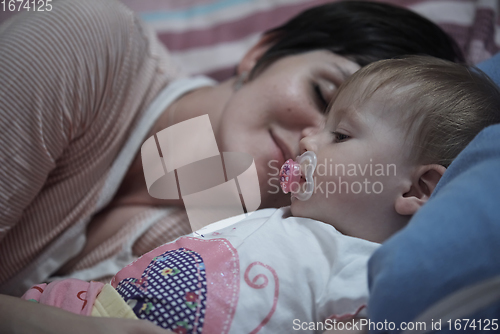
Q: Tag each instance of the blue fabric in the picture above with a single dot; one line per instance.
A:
(492, 68)
(452, 242)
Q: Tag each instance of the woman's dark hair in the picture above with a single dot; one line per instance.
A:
(361, 31)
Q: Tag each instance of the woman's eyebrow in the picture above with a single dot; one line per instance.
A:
(342, 71)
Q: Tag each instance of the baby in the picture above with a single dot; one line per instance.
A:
(391, 131)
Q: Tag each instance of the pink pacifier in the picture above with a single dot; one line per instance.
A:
(291, 173)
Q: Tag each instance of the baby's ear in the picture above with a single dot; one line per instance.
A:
(423, 184)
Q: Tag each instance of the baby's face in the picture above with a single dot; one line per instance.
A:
(362, 167)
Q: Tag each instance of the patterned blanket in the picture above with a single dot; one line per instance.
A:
(210, 36)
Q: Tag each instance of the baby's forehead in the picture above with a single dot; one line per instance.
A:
(369, 95)
(364, 102)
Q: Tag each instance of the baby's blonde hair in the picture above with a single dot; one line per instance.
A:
(444, 104)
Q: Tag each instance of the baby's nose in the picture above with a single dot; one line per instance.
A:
(308, 143)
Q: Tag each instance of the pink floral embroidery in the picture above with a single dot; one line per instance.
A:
(170, 271)
(191, 296)
(166, 271)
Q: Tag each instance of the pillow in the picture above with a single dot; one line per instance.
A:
(451, 243)
(492, 68)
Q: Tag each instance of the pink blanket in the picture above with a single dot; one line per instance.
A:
(71, 294)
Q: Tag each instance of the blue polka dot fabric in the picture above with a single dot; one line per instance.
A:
(172, 291)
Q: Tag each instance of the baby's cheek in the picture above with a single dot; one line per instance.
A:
(297, 207)
(307, 209)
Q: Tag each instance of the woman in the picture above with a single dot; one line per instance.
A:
(78, 85)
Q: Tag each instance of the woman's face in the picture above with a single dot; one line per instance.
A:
(268, 116)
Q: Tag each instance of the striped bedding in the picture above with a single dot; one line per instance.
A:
(210, 36)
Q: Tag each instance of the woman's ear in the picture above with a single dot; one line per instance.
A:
(426, 177)
(249, 60)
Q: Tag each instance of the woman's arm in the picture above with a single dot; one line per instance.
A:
(18, 316)
(61, 71)
(73, 81)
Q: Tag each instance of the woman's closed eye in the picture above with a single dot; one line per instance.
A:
(339, 137)
(320, 98)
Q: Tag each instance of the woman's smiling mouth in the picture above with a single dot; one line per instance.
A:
(285, 152)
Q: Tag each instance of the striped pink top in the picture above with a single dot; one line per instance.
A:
(73, 84)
